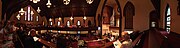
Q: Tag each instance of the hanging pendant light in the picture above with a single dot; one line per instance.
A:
(84, 14)
(89, 1)
(35, 1)
(71, 18)
(66, 2)
(18, 17)
(38, 10)
(49, 4)
(21, 11)
(59, 19)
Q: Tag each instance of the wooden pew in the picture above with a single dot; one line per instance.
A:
(146, 39)
(47, 43)
(92, 43)
(136, 40)
(133, 43)
(159, 37)
(108, 44)
(173, 40)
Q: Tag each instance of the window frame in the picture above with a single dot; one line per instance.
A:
(168, 18)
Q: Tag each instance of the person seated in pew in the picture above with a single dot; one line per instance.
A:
(9, 35)
(61, 41)
(31, 41)
(126, 41)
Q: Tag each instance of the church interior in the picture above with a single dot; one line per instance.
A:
(89, 23)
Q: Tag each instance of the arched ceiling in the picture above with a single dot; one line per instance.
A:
(58, 9)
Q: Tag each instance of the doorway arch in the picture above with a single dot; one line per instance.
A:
(120, 16)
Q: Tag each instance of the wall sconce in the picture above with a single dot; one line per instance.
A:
(71, 18)
(49, 4)
(18, 17)
(59, 19)
(35, 1)
(21, 11)
(85, 18)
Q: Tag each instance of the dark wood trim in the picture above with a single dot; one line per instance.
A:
(175, 34)
(65, 28)
(50, 44)
(117, 28)
(120, 18)
(136, 40)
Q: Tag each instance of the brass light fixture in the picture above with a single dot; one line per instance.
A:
(35, 1)
(18, 17)
(49, 4)
(66, 2)
(89, 1)
(38, 10)
(21, 11)
(71, 18)
(84, 17)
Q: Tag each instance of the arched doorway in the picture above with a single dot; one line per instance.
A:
(154, 20)
(118, 9)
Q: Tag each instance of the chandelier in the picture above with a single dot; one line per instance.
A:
(89, 1)
(21, 11)
(35, 1)
(66, 2)
(38, 10)
(48, 4)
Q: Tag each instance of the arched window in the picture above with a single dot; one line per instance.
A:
(37, 18)
(32, 15)
(68, 23)
(50, 20)
(51, 23)
(78, 23)
(29, 13)
(167, 18)
(59, 23)
(25, 17)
